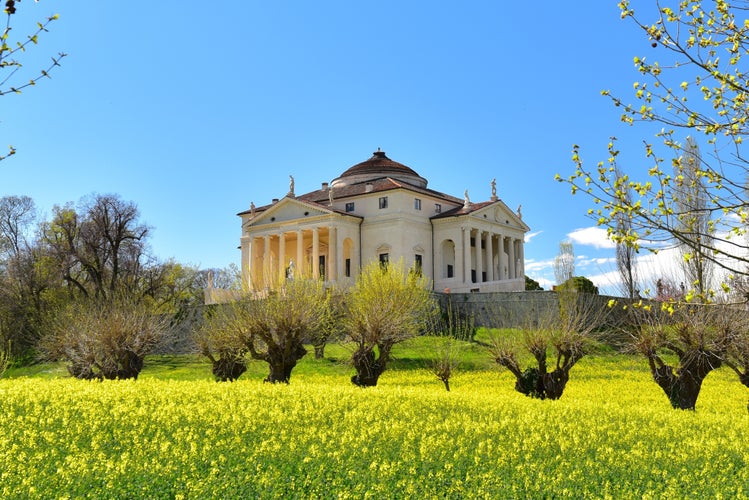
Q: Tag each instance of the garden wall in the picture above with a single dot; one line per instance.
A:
(513, 309)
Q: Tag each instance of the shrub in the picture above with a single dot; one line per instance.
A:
(104, 340)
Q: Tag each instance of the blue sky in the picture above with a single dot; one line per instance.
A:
(194, 109)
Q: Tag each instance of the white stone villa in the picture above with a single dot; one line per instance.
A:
(382, 210)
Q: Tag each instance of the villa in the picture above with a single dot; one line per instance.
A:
(381, 210)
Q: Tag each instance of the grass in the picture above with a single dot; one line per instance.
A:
(175, 433)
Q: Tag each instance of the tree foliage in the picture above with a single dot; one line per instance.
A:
(702, 91)
(100, 248)
(579, 284)
(531, 284)
(97, 252)
(386, 306)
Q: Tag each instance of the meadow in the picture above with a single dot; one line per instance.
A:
(175, 433)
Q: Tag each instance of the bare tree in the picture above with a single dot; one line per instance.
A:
(626, 253)
(693, 219)
(564, 262)
(271, 328)
(388, 305)
(566, 332)
(222, 338)
(11, 50)
(17, 217)
(5, 357)
(101, 249)
(104, 339)
(702, 337)
(453, 330)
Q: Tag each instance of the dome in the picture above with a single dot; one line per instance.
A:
(377, 167)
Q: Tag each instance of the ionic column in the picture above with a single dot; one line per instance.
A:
(489, 257)
(299, 252)
(511, 260)
(479, 256)
(332, 253)
(282, 256)
(246, 267)
(315, 252)
(521, 256)
(466, 255)
(266, 260)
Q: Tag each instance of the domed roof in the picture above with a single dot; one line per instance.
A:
(378, 166)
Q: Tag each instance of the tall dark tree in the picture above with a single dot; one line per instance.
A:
(101, 248)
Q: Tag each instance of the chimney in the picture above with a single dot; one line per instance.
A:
(324, 186)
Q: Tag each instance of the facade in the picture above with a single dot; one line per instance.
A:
(382, 210)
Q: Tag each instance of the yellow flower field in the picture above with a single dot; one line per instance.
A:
(613, 434)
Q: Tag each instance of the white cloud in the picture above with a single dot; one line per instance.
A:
(591, 236)
(530, 236)
(538, 265)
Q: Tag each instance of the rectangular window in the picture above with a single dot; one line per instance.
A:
(417, 264)
(438, 208)
(449, 270)
(348, 268)
(384, 259)
(350, 206)
(473, 241)
(384, 202)
(417, 204)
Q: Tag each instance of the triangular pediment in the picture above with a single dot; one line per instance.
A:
(492, 212)
(288, 210)
(500, 213)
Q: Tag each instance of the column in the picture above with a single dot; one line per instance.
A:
(340, 269)
(299, 252)
(511, 260)
(501, 243)
(266, 260)
(479, 256)
(466, 255)
(521, 256)
(332, 253)
(246, 266)
(315, 252)
(489, 256)
(282, 256)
